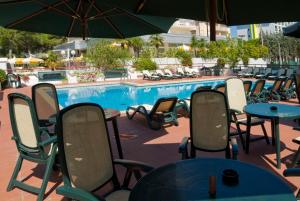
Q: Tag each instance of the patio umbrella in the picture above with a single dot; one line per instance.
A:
(229, 12)
(78, 18)
(292, 30)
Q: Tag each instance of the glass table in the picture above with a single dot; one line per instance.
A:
(264, 110)
(189, 180)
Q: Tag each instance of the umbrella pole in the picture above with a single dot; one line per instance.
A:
(212, 19)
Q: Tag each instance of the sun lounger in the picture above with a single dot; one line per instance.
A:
(169, 72)
(273, 92)
(148, 76)
(255, 95)
(289, 74)
(163, 75)
(163, 111)
(280, 73)
(181, 72)
(268, 72)
(190, 72)
(287, 92)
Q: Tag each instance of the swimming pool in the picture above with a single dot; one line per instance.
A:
(120, 96)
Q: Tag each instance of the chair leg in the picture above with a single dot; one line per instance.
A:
(265, 133)
(240, 135)
(15, 174)
(48, 171)
(248, 133)
(296, 157)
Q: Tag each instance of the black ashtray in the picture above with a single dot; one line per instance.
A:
(273, 108)
(230, 177)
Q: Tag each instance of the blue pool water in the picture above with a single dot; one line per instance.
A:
(121, 96)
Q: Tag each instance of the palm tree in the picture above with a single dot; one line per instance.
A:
(194, 44)
(157, 41)
(137, 44)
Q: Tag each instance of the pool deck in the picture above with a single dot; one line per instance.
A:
(139, 143)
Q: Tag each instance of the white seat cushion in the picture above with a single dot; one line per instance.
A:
(121, 195)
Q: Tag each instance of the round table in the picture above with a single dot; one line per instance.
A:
(263, 110)
(189, 180)
(111, 115)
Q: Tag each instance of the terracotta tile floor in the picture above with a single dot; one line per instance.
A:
(139, 143)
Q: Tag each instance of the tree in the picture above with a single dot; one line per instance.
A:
(194, 45)
(21, 42)
(156, 41)
(103, 55)
(137, 44)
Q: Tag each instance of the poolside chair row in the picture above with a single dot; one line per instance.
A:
(267, 74)
(168, 74)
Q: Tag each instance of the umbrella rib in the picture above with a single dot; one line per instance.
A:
(142, 21)
(100, 15)
(73, 20)
(56, 9)
(109, 21)
(14, 2)
(140, 6)
(70, 8)
(32, 15)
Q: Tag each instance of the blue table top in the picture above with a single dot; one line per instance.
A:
(189, 180)
(264, 110)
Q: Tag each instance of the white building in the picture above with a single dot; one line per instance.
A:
(274, 28)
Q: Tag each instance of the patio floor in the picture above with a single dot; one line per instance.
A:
(139, 143)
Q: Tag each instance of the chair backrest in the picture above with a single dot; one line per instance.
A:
(164, 105)
(146, 72)
(159, 72)
(297, 82)
(268, 71)
(289, 72)
(256, 70)
(180, 71)
(203, 88)
(209, 121)
(258, 87)
(277, 85)
(220, 88)
(45, 100)
(247, 86)
(288, 83)
(24, 123)
(281, 72)
(236, 95)
(84, 146)
(168, 71)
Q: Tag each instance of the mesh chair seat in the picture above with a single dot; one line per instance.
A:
(121, 195)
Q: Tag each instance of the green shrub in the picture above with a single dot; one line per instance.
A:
(185, 57)
(144, 64)
(2, 76)
(221, 62)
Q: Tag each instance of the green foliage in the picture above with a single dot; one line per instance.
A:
(2, 76)
(105, 56)
(52, 60)
(170, 52)
(137, 44)
(21, 42)
(156, 41)
(221, 62)
(148, 53)
(144, 64)
(184, 57)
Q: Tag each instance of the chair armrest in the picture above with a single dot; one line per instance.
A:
(234, 148)
(50, 140)
(134, 165)
(290, 172)
(183, 148)
(233, 111)
(77, 194)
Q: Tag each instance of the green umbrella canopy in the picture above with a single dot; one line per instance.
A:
(292, 30)
(229, 12)
(78, 18)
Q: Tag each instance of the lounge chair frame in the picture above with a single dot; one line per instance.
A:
(256, 96)
(36, 154)
(153, 117)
